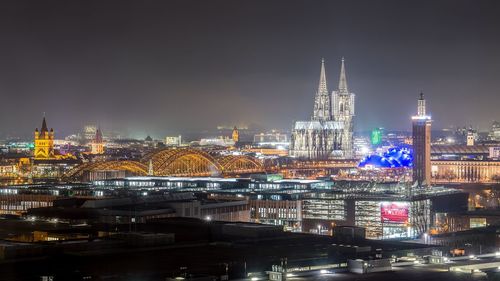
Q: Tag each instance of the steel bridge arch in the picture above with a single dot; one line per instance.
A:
(183, 162)
(131, 166)
(239, 164)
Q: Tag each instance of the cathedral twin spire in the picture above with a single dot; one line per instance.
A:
(343, 80)
(322, 89)
(323, 104)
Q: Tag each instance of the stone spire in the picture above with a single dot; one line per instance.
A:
(322, 89)
(98, 135)
(44, 126)
(322, 100)
(343, 80)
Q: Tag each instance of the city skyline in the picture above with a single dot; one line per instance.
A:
(249, 140)
(130, 68)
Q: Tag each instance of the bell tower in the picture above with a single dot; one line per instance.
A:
(343, 111)
(97, 145)
(235, 135)
(44, 142)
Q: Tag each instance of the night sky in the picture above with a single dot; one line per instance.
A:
(160, 67)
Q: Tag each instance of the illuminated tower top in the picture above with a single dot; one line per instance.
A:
(235, 135)
(322, 89)
(44, 142)
(44, 128)
(421, 111)
(322, 107)
(421, 105)
(343, 80)
(97, 145)
(98, 136)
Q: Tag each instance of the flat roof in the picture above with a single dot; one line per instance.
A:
(215, 179)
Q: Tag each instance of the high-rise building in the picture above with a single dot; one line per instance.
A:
(97, 145)
(173, 140)
(421, 135)
(329, 133)
(44, 142)
(494, 133)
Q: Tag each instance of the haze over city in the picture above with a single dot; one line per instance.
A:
(161, 67)
(218, 140)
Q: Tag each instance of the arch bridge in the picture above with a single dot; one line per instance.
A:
(196, 162)
(79, 171)
(181, 162)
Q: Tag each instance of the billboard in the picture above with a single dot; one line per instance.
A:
(395, 212)
(376, 137)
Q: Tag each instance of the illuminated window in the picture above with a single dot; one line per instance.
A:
(477, 222)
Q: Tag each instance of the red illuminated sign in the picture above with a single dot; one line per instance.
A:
(394, 212)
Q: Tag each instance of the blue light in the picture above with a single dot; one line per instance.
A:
(394, 157)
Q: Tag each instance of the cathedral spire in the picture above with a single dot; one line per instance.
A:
(343, 79)
(98, 135)
(322, 101)
(322, 89)
(44, 126)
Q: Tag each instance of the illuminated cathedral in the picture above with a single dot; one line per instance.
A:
(44, 142)
(329, 133)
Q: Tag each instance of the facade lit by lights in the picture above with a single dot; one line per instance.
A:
(97, 145)
(329, 133)
(395, 157)
(376, 136)
(44, 142)
(235, 135)
(421, 136)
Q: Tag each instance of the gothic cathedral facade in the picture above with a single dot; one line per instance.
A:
(329, 133)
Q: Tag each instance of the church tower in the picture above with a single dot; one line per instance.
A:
(44, 142)
(97, 145)
(322, 105)
(235, 135)
(343, 111)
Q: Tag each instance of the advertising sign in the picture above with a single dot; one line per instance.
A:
(376, 136)
(394, 212)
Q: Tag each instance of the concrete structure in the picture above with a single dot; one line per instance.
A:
(421, 135)
(444, 171)
(329, 132)
(369, 266)
(173, 140)
(144, 208)
(494, 153)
